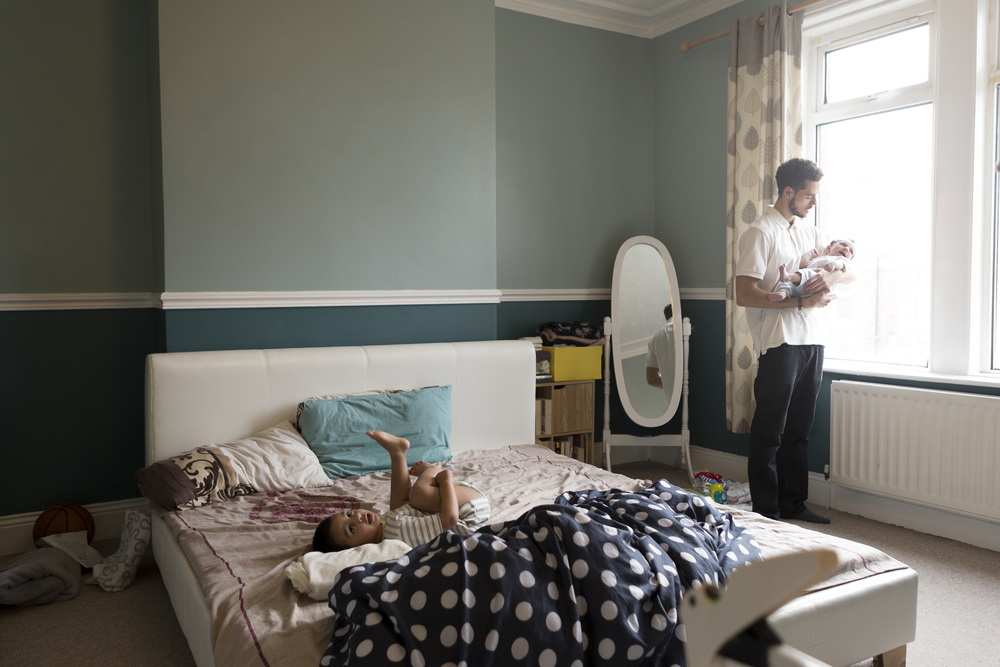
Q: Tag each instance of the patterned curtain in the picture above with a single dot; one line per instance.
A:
(765, 129)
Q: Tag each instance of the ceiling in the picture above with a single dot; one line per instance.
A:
(642, 18)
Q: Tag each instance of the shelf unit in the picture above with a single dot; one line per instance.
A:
(571, 416)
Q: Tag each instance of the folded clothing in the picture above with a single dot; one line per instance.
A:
(570, 334)
(313, 573)
(40, 576)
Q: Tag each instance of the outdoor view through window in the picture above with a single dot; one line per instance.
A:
(877, 191)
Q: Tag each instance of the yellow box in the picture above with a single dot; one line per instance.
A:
(575, 363)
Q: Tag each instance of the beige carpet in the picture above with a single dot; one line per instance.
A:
(958, 614)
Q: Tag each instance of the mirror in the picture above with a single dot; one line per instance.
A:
(645, 323)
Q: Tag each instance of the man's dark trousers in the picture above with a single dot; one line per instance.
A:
(786, 388)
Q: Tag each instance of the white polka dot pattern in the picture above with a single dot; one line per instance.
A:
(594, 579)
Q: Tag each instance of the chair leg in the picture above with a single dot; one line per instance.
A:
(894, 658)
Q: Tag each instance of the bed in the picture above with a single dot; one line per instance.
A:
(224, 564)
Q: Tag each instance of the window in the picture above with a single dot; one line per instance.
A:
(872, 124)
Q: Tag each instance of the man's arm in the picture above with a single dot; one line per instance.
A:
(449, 502)
(750, 295)
(825, 280)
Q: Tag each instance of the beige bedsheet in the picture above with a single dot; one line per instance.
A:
(240, 548)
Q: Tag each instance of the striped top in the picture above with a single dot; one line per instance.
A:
(415, 527)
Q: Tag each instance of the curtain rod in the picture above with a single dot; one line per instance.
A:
(687, 46)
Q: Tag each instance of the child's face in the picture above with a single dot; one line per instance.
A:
(355, 527)
(841, 248)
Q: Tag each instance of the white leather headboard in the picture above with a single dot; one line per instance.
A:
(200, 398)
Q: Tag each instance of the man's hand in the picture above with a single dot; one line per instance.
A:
(822, 281)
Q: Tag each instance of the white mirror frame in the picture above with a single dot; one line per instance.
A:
(616, 286)
(683, 440)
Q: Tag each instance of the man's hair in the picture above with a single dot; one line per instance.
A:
(795, 172)
(322, 539)
(668, 312)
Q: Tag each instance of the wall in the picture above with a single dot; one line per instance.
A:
(574, 159)
(265, 117)
(75, 217)
(336, 146)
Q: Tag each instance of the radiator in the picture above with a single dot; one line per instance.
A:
(935, 448)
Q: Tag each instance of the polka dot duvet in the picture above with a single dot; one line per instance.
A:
(595, 578)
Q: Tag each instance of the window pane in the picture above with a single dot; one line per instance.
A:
(996, 233)
(893, 61)
(876, 189)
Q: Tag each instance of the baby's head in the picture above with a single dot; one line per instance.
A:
(842, 247)
(347, 529)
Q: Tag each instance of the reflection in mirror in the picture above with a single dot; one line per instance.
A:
(646, 354)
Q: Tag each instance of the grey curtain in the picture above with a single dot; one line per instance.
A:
(764, 129)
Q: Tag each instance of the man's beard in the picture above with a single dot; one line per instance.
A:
(795, 211)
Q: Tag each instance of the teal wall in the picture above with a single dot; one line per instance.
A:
(574, 158)
(394, 145)
(328, 145)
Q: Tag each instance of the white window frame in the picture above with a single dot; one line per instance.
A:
(961, 273)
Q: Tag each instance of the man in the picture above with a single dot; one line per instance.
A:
(787, 341)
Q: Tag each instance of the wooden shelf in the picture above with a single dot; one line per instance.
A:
(569, 418)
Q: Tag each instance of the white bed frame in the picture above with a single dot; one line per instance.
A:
(198, 398)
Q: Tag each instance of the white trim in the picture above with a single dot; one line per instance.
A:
(617, 17)
(79, 301)
(313, 299)
(16, 529)
(703, 293)
(205, 300)
(597, 294)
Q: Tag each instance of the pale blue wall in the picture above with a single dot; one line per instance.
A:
(74, 147)
(574, 152)
(328, 145)
(689, 105)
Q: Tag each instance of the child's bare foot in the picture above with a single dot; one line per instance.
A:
(419, 467)
(782, 274)
(390, 443)
(777, 296)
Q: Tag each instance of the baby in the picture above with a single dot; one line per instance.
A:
(838, 256)
(417, 513)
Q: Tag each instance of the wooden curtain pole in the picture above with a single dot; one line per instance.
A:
(687, 46)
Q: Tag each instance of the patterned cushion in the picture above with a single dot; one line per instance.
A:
(276, 459)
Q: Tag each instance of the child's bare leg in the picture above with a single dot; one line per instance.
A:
(399, 476)
(425, 494)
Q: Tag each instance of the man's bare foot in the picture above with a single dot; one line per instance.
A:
(776, 296)
(390, 443)
(419, 467)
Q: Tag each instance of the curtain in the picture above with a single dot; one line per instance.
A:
(764, 130)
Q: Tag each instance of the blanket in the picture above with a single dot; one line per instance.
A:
(39, 576)
(596, 577)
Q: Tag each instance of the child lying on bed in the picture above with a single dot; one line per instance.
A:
(417, 513)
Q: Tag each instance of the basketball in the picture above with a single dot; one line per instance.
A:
(64, 518)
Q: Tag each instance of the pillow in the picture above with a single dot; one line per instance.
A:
(335, 429)
(276, 459)
(298, 409)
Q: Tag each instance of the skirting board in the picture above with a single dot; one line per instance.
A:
(922, 519)
(15, 529)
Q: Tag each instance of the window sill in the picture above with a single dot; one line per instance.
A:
(891, 371)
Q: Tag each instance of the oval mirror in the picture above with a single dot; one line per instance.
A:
(644, 308)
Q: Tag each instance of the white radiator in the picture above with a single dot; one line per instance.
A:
(934, 448)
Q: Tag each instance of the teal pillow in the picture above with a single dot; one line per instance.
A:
(335, 429)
